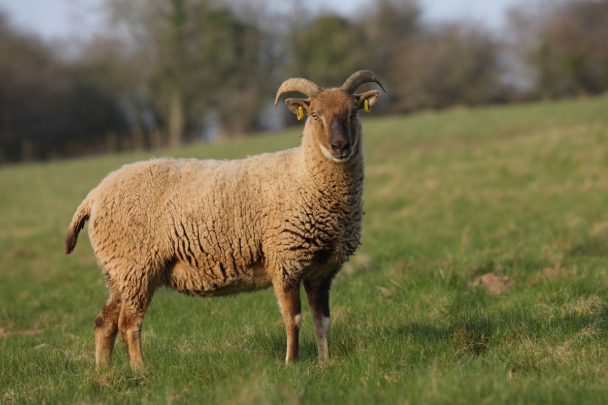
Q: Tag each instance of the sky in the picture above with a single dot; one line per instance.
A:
(55, 19)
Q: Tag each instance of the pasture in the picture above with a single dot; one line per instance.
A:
(518, 191)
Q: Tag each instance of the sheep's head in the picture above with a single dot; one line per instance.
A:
(333, 112)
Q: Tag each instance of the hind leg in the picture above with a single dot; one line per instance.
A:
(135, 302)
(106, 326)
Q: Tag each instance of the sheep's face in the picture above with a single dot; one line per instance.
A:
(334, 121)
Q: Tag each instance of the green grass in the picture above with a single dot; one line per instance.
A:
(449, 197)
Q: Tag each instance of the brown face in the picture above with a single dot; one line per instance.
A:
(333, 120)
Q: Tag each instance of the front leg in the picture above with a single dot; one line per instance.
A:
(288, 295)
(317, 293)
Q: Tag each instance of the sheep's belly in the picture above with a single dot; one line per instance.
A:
(192, 281)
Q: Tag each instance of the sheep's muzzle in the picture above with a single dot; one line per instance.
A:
(339, 141)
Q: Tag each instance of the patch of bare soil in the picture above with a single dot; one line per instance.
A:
(494, 284)
(555, 271)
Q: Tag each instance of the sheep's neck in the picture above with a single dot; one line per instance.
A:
(341, 182)
(334, 194)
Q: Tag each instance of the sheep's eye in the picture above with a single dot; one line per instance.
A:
(314, 115)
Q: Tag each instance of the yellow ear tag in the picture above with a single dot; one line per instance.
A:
(367, 107)
(301, 113)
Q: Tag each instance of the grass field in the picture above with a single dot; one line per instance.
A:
(449, 197)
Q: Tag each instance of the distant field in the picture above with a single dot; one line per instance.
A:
(449, 197)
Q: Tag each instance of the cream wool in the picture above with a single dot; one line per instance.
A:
(214, 228)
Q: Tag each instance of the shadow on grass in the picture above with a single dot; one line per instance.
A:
(470, 331)
(472, 334)
(272, 343)
(475, 332)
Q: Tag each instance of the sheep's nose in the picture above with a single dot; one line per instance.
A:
(340, 145)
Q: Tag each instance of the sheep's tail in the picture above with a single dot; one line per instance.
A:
(80, 217)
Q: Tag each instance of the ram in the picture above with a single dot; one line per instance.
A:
(215, 228)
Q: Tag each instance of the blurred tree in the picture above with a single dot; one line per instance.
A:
(200, 58)
(230, 71)
(109, 65)
(328, 51)
(572, 54)
(454, 64)
(391, 28)
(566, 46)
(47, 107)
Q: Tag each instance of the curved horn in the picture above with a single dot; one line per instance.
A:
(357, 79)
(302, 85)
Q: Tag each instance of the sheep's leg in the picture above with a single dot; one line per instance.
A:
(106, 327)
(288, 295)
(131, 320)
(317, 294)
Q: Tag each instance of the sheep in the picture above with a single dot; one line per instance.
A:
(215, 228)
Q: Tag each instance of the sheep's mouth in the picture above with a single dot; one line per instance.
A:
(340, 158)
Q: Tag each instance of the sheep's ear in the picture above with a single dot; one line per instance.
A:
(370, 96)
(294, 105)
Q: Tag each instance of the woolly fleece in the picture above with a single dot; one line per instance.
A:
(223, 227)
